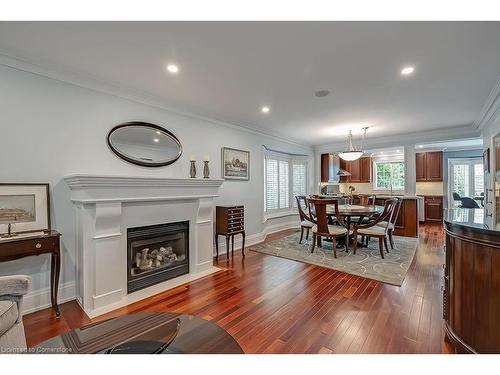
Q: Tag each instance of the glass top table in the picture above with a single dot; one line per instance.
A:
(145, 333)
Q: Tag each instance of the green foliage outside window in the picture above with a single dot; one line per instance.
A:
(390, 173)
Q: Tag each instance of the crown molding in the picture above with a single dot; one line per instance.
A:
(441, 134)
(491, 109)
(127, 93)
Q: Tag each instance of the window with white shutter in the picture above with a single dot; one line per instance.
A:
(284, 178)
(298, 180)
(271, 184)
(284, 184)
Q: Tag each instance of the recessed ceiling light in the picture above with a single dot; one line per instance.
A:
(420, 146)
(321, 93)
(172, 68)
(158, 132)
(407, 70)
(265, 109)
(156, 140)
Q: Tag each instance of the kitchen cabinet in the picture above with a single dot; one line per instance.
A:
(434, 166)
(429, 166)
(360, 170)
(329, 168)
(433, 208)
(420, 167)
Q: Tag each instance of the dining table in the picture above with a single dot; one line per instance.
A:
(350, 211)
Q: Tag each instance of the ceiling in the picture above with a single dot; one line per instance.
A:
(229, 70)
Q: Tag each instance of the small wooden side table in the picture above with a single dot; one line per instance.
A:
(230, 220)
(46, 243)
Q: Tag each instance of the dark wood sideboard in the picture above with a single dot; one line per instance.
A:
(230, 221)
(471, 295)
(47, 243)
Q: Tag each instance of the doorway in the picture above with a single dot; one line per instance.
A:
(466, 182)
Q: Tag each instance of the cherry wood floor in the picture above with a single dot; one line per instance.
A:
(274, 305)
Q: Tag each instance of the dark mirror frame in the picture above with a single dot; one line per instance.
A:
(145, 125)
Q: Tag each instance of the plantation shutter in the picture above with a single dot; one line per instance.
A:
(298, 180)
(284, 197)
(271, 183)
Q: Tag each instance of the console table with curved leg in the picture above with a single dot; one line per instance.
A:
(24, 245)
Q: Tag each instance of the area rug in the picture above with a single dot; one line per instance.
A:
(366, 263)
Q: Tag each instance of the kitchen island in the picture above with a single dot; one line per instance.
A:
(471, 295)
(407, 220)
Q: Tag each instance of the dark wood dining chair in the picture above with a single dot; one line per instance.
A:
(392, 223)
(371, 229)
(306, 222)
(323, 229)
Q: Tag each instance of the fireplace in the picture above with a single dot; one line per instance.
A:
(156, 253)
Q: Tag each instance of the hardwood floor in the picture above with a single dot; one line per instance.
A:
(275, 305)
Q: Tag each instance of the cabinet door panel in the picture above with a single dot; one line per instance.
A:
(420, 166)
(325, 167)
(434, 166)
(366, 169)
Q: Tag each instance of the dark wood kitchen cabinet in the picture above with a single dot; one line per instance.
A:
(429, 166)
(420, 166)
(329, 168)
(433, 208)
(360, 170)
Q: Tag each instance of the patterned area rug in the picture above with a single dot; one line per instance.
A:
(367, 261)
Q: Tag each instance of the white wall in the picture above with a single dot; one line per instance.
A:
(489, 132)
(50, 129)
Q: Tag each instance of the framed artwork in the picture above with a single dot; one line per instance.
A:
(486, 160)
(235, 164)
(25, 207)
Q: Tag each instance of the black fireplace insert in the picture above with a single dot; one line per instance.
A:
(157, 253)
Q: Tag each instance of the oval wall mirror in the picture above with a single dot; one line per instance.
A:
(144, 144)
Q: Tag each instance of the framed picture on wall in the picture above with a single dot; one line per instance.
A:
(25, 207)
(235, 164)
(486, 160)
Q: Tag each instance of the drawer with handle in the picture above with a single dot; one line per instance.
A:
(28, 246)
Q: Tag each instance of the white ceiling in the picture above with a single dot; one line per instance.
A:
(229, 70)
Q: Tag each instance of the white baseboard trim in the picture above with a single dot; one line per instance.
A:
(256, 238)
(40, 299)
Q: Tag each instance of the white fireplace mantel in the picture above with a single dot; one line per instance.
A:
(105, 206)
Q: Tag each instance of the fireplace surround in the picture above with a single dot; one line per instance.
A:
(106, 207)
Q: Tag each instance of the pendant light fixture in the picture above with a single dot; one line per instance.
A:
(351, 153)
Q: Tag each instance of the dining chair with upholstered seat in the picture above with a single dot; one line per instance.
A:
(391, 224)
(323, 229)
(306, 221)
(371, 229)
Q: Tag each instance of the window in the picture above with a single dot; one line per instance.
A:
(284, 178)
(298, 180)
(466, 178)
(389, 175)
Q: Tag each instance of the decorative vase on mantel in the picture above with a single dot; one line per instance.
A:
(192, 169)
(206, 170)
